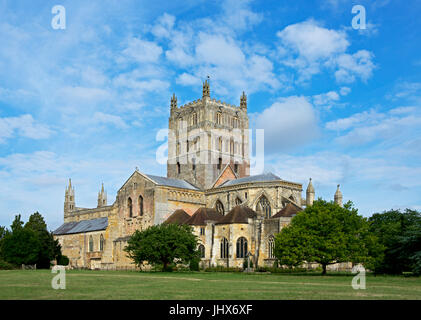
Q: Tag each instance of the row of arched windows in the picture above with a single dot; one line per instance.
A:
(130, 206)
(101, 243)
(241, 248)
(233, 121)
(234, 147)
(241, 251)
(262, 207)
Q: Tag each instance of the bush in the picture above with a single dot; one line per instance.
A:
(6, 265)
(194, 265)
(63, 260)
(223, 269)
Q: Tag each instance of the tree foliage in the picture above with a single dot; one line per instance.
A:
(30, 243)
(326, 233)
(400, 234)
(163, 244)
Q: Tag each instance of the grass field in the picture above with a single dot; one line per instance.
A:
(36, 284)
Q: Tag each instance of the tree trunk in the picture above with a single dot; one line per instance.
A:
(324, 269)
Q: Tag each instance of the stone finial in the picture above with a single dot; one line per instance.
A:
(173, 101)
(243, 101)
(102, 197)
(338, 196)
(310, 194)
(206, 90)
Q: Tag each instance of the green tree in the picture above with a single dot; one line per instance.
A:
(326, 233)
(396, 231)
(163, 244)
(21, 247)
(50, 249)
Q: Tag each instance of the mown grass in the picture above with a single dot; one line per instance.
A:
(36, 284)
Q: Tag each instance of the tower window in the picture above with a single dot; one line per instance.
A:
(178, 168)
(219, 118)
(219, 163)
(130, 207)
(236, 167)
(141, 205)
(194, 119)
(193, 164)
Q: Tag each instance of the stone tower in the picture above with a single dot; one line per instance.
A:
(102, 197)
(204, 136)
(310, 194)
(338, 196)
(69, 198)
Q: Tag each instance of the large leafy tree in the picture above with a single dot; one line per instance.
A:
(163, 244)
(21, 246)
(326, 233)
(30, 243)
(399, 232)
(50, 248)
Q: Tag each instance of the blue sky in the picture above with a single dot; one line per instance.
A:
(337, 104)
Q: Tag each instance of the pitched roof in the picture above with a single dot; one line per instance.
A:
(179, 216)
(257, 178)
(82, 226)
(238, 214)
(202, 214)
(171, 182)
(288, 211)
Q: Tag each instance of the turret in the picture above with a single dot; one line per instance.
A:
(69, 198)
(173, 102)
(102, 197)
(310, 194)
(338, 196)
(206, 90)
(243, 101)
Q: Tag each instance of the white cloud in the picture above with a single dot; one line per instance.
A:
(103, 118)
(288, 123)
(326, 99)
(309, 47)
(368, 126)
(142, 50)
(24, 126)
(344, 91)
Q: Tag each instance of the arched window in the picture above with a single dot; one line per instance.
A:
(193, 164)
(194, 119)
(101, 243)
(241, 247)
(271, 247)
(202, 250)
(220, 144)
(238, 201)
(263, 207)
(236, 167)
(224, 248)
(219, 207)
(130, 207)
(91, 244)
(219, 164)
(231, 147)
(140, 205)
(178, 168)
(178, 149)
(219, 118)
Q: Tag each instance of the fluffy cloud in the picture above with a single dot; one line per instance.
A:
(309, 47)
(368, 126)
(139, 50)
(24, 126)
(288, 123)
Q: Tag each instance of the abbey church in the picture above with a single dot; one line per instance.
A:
(208, 186)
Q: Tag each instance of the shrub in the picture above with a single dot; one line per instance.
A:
(194, 265)
(63, 260)
(6, 265)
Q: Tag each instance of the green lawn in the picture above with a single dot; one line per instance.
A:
(30, 284)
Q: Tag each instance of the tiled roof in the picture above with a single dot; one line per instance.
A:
(238, 214)
(257, 178)
(82, 226)
(203, 214)
(171, 182)
(288, 211)
(179, 216)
